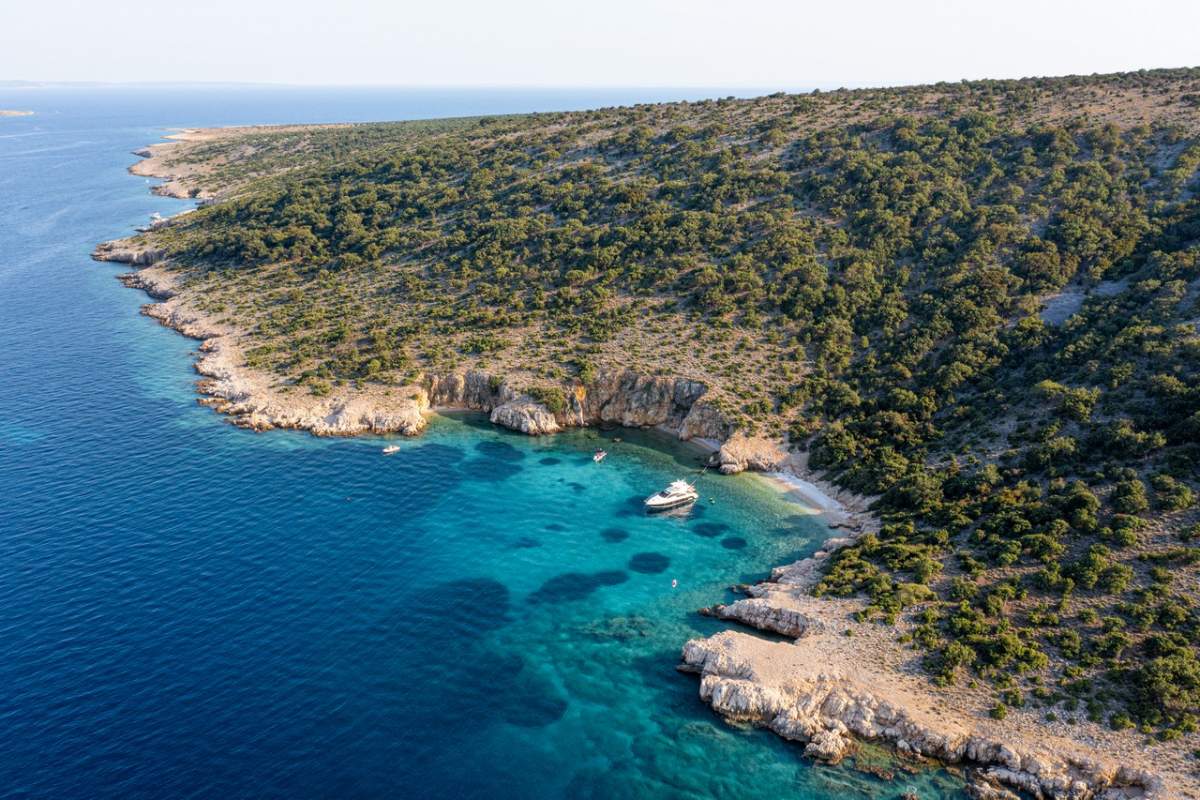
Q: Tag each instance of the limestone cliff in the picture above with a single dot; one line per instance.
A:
(255, 400)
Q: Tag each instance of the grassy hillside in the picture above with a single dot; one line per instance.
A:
(977, 300)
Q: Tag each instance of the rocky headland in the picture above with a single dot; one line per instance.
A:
(839, 682)
(830, 681)
(821, 677)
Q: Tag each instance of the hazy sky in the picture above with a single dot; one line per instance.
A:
(749, 43)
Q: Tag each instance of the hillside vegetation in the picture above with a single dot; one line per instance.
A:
(862, 272)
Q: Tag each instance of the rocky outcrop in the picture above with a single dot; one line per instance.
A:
(473, 389)
(798, 696)
(250, 404)
(759, 613)
(526, 416)
(615, 397)
(123, 252)
(740, 453)
(633, 400)
(705, 421)
(153, 282)
(841, 682)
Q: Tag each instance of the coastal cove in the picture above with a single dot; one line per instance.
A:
(192, 606)
(277, 351)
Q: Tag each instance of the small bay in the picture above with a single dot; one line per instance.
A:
(191, 609)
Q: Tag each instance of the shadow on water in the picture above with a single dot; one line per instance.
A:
(502, 451)
(444, 693)
(710, 530)
(494, 461)
(614, 535)
(571, 586)
(649, 563)
(686, 456)
(491, 470)
(525, 543)
(431, 455)
(631, 507)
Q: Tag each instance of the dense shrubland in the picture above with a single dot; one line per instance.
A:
(864, 271)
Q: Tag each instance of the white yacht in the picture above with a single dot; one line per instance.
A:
(391, 448)
(679, 493)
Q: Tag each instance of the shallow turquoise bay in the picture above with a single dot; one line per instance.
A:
(192, 610)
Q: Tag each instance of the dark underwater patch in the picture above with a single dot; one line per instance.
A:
(502, 451)
(460, 609)
(549, 461)
(526, 542)
(529, 700)
(649, 563)
(578, 487)
(433, 454)
(733, 543)
(710, 530)
(632, 506)
(556, 526)
(614, 535)
(571, 586)
(491, 469)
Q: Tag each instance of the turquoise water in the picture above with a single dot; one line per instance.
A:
(192, 610)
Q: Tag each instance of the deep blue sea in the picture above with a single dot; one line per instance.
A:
(192, 610)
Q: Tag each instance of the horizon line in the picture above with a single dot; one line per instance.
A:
(17, 84)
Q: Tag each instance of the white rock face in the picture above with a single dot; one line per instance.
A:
(795, 691)
(760, 613)
(616, 397)
(150, 280)
(526, 416)
(124, 253)
(740, 453)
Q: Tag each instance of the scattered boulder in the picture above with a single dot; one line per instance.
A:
(526, 416)
(740, 453)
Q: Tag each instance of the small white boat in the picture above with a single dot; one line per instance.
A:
(679, 493)
(390, 449)
(599, 455)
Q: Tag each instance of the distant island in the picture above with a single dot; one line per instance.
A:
(962, 318)
(12, 113)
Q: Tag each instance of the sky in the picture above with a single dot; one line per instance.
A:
(769, 44)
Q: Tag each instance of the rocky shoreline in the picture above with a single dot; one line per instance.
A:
(769, 684)
(798, 690)
(252, 400)
(838, 682)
